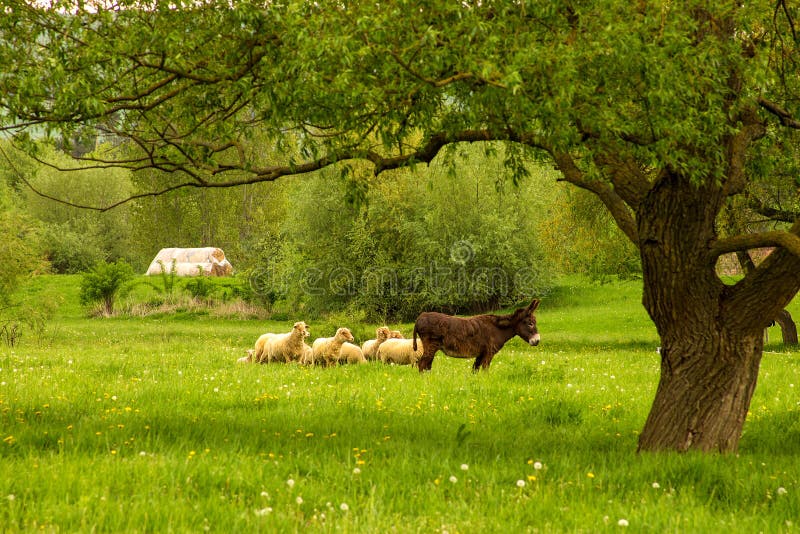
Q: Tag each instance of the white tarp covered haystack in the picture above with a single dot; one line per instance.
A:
(208, 261)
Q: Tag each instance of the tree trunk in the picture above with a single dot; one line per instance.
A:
(788, 328)
(108, 305)
(707, 382)
(784, 318)
(711, 344)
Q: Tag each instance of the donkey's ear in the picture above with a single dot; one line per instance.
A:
(533, 306)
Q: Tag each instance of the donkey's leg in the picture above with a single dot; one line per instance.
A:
(478, 363)
(426, 360)
(487, 361)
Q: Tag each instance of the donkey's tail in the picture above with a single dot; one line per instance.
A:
(414, 337)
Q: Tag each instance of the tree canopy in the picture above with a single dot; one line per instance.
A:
(670, 112)
(602, 88)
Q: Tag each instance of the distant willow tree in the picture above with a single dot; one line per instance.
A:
(663, 109)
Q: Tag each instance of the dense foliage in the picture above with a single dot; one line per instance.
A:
(460, 238)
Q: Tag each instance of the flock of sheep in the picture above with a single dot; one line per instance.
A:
(389, 346)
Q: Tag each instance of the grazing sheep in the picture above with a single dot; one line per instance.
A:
(327, 349)
(400, 351)
(396, 334)
(370, 347)
(351, 354)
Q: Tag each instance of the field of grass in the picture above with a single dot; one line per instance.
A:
(148, 425)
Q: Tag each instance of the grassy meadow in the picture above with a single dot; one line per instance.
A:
(148, 425)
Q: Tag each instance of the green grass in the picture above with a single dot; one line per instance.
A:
(148, 425)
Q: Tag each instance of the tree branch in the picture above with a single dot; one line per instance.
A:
(771, 213)
(784, 116)
(615, 204)
(786, 240)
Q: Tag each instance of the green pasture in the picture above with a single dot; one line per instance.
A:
(148, 425)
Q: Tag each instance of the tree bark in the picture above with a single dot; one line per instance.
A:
(707, 382)
(784, 318)
(788, 328)
(711, 334)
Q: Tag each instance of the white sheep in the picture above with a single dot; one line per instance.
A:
(327, 349)
(400, 351)
(396, 334)
(351, 354)
(308, 355)
(248, 358)
(370, 346)
(259, 354)
(280, 347)
(288, 347)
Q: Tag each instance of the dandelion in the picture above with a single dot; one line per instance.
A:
(781, 491)
(590, 474)
(623, 522)
(656, 485)
(11, 497)
(299, 500)
(290, 482)
(464, 467)
(142, 453)
(265, 494)
(264, 511)
(343, 507)
(356, 471)
(537, 465)
(453, 479)
(520, 483)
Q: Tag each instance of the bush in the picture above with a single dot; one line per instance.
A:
(104, 282)
(425, 239)
(69, 251)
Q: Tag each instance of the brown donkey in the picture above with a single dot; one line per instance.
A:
(479, 337)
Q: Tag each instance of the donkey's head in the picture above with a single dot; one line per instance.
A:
(526, 323)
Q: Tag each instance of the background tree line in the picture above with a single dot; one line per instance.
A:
(461, 238)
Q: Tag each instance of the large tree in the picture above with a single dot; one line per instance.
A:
(663, 109)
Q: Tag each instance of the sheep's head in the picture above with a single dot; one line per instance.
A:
(300, 326)
(343, 334)
(396, 334)
(382, 333)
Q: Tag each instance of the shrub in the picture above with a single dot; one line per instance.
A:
(104, 282)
